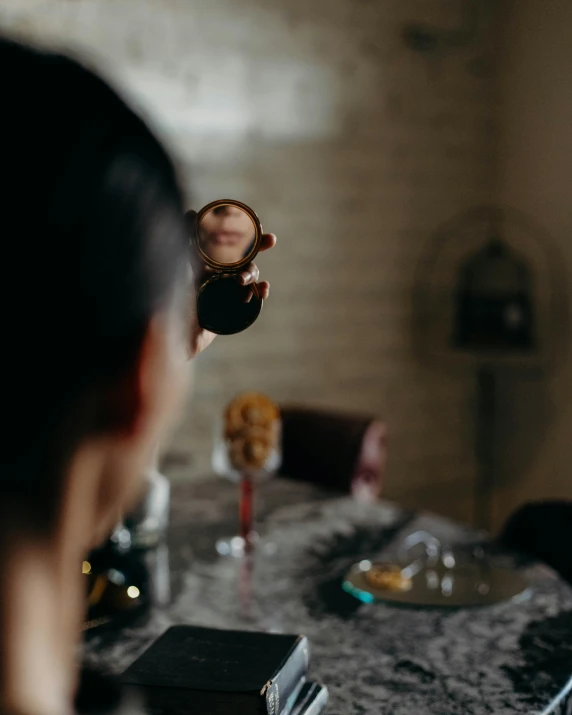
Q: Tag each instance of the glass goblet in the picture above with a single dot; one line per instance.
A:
(247, 538)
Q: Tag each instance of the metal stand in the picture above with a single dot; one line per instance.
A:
(245, 511)
(485, 447)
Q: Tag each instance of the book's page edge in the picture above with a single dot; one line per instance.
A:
(301, 639)
(313, 703)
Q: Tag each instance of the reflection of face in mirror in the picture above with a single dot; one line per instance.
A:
(226, 234)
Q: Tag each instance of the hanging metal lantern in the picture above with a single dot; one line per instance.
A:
(494, 302)
(506, 311)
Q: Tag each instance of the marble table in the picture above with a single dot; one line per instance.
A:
(508, 658)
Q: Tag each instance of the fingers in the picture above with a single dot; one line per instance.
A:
(263, 289)
(268, 241)
(250, 274)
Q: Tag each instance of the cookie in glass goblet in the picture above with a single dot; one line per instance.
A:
(251, 409)
(251, 430)
(250, 449)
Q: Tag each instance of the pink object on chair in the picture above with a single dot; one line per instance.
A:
(337, 450)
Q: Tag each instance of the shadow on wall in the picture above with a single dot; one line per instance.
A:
(526, 411)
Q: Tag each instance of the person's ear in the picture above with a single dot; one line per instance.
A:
(137, 397)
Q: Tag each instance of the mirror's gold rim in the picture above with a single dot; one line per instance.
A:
(221, 276)
(257, 235)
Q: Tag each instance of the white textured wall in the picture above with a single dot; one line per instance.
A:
(352, 149)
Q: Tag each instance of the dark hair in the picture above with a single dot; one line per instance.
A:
(93, 244)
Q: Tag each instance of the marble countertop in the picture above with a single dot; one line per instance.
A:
(374, 658)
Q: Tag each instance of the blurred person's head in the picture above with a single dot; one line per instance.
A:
(226, 234)
(93, 298)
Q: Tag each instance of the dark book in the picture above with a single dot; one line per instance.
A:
(205, 670)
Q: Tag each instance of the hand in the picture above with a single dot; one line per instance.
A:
(200, 338)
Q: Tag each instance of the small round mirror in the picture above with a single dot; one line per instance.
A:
(228, 234)
(226, 307)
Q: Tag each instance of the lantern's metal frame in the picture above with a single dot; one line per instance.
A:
(519, 339)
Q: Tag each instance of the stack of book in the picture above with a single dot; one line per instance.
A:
(205, 670)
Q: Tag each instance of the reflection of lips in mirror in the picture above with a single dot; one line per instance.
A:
(226, 238)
